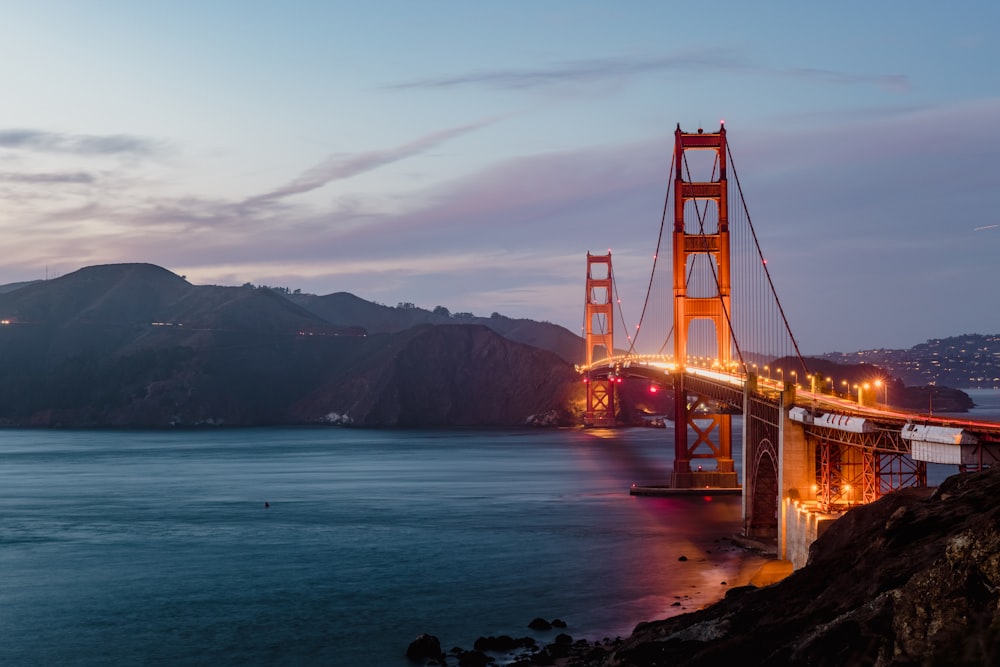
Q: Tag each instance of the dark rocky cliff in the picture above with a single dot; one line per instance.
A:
(454, 375)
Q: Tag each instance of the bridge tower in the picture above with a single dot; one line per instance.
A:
(599, 328)
(693, 242)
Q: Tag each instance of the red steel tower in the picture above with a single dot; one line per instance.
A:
(694, 242)
(599, 328)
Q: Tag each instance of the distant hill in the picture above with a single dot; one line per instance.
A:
(882, 385)
(347, 309)
(10, 287)
(136, 345)
(446, 375)
(968, 361)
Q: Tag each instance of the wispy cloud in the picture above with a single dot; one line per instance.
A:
(582, 71)
(894, 82)
(77, 144)
(602, 70)
(337, 167)
(47, 178)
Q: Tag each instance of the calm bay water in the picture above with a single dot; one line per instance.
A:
(157, 547)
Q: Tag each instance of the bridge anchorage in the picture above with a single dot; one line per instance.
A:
(807, 452)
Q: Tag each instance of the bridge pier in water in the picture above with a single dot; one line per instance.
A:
(712, 428)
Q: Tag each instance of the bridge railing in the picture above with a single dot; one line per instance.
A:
(666, 362)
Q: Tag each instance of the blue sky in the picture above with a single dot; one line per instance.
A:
(471, 154)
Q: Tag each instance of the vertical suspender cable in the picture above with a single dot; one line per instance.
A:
(767, 273)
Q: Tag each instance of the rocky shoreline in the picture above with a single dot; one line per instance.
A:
(552, 643)
(912, 579)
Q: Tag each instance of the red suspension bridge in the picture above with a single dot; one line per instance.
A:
(713, 331)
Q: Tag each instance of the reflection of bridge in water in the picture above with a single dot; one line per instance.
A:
(809, 452)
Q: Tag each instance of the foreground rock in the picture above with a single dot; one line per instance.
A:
(425, 648)
(913, 579)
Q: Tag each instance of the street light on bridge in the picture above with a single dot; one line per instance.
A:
(862, 388)
(880, 383)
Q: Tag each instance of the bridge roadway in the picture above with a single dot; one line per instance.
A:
(825, 416)
(810, 456)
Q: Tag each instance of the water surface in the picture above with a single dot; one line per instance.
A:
(337, 547)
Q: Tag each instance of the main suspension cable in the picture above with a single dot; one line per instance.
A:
(652, 273)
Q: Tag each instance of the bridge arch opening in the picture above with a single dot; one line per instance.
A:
(762, 518)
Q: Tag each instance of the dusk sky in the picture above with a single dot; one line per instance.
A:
(470, 154)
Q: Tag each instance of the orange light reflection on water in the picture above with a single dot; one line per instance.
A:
(686, 549)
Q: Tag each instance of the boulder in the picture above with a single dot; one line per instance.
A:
(425, 647)
(540, 624)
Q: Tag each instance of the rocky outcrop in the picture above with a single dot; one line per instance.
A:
(913, 579)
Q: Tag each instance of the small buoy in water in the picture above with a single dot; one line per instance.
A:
(266, 504)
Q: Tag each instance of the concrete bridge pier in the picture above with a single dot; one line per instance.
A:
(796, 481)
(800, 521)
(779, 469)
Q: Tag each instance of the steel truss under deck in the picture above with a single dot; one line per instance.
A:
(857, 468)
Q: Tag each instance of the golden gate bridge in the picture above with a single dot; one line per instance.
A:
(713, 331)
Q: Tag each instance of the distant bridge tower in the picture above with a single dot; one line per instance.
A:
(599, 328)
(693, 243)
